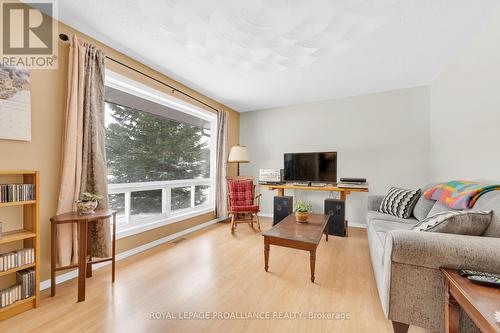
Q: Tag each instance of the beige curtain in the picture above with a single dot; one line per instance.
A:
(220, 176)
(84, 159)
(94, 170)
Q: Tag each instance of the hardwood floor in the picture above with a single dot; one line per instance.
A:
(212, 270)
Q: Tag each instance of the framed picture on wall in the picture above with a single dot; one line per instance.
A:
(15, 103)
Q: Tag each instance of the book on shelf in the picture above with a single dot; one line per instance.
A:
(24, 288)
(10, 295)
(16, 192)
(17, 258)
(27, 280)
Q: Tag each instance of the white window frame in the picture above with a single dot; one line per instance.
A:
(125, 227)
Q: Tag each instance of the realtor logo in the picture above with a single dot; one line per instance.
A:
(28, 31)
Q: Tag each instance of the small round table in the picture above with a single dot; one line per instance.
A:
(84, 266)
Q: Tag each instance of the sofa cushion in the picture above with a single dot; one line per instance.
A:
(378, 230)
(399, 202)
(460, 222)
(439, 208)
(372, 215)
(423, 205)
(383, 227)
(489, 201)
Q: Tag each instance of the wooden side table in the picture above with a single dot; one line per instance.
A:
(479, 302)
(84, 264)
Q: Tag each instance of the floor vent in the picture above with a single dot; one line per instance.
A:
(178, 240)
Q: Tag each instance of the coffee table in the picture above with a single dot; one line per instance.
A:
(295, 235)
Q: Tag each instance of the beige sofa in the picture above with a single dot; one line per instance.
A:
(406, 263)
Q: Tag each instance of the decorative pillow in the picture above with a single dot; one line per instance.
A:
(399, 202)
(460, 222)
(423, 205)
(440, 208)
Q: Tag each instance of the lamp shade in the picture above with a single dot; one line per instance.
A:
(239, 154)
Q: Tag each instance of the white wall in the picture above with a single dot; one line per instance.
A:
(383, 137)
(465, 112)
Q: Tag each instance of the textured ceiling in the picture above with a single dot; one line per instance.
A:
(266, 35)
(265, 53)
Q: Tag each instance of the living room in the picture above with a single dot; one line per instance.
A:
(196, 151)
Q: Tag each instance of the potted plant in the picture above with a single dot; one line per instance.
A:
(302, 210)
(88, 203)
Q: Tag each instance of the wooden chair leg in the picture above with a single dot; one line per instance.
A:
(257, 220)
(232, 222)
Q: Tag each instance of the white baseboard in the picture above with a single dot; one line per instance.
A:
(74, 273)
(357, 225)
(265, 215)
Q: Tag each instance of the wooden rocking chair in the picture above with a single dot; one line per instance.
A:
(243, 205)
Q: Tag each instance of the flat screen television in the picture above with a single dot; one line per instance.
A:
(313, 167)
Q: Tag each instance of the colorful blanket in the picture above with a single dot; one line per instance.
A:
(459, 194)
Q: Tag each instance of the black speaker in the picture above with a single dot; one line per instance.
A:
(283, 206)
(336, 221)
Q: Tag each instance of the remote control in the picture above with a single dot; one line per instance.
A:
(467, 272)
(488, 281)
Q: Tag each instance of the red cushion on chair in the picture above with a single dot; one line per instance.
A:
(241, 193)
(251, 208)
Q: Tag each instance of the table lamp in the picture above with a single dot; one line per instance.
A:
(238, 154)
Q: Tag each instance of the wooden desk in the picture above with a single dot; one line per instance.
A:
(84, 266)
(301, 236)
(344, 192)
(479, 302)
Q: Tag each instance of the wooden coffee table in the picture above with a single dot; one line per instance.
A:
(301, 236)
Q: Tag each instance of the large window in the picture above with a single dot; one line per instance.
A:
(160, 154)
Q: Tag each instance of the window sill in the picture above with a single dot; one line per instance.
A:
(126, 230)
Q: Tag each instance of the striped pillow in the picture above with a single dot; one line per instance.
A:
(399, 202)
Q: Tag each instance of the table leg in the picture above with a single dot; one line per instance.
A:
(89, 250)
(82, 260)
(266, 253)
(313, 263)
(281, 192)
(451, 314)
(114, 250)
(326, 230)
(53, 259)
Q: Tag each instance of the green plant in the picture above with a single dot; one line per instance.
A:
(303, 206)
(86, 196)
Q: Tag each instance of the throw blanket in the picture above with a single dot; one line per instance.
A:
(459, 194)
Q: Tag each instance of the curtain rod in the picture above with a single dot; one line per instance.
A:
(65, 38)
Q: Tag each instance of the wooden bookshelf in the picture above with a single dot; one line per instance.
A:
(28, 232)
(17, 203)
(18, 307)
(12, 236)
(13, 270)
